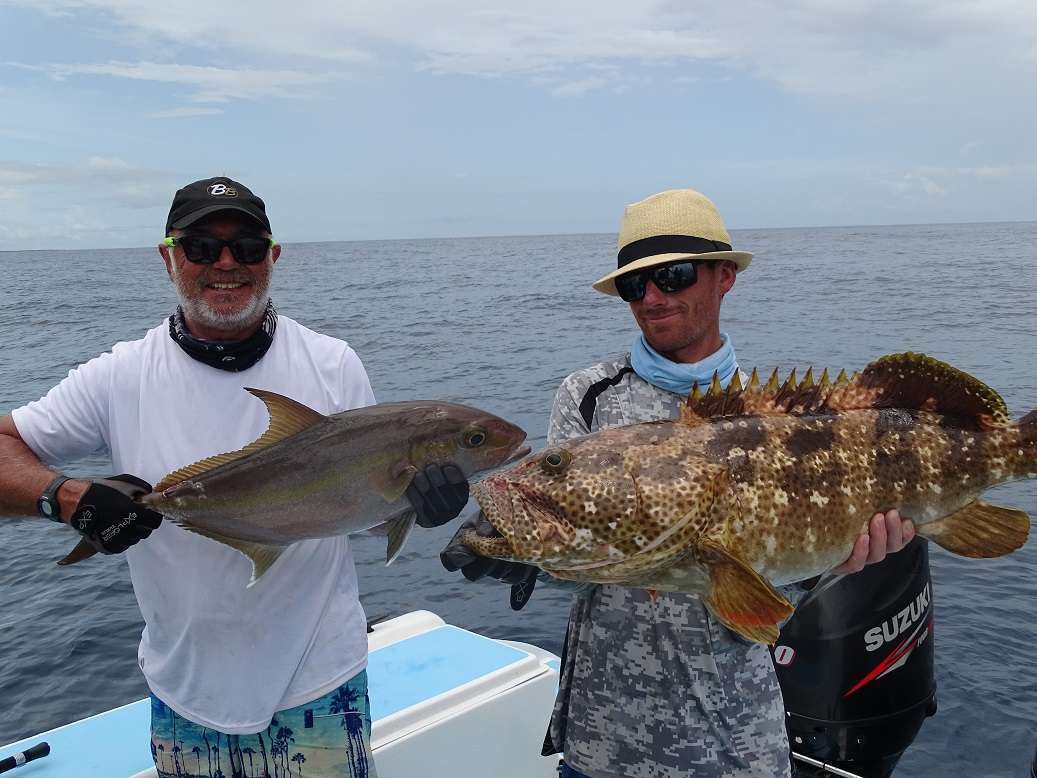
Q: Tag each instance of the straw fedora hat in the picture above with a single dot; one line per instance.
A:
(667, 227)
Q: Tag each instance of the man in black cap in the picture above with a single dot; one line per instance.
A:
(219, 658)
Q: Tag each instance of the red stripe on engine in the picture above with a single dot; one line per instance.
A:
(894, 656)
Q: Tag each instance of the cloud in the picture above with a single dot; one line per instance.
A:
(213, 85)
(577, 88)
(96, 178)
(186, 112)
(915, 50)
(917, 183)
(939, 182)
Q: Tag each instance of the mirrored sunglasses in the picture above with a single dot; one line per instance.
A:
(668, 278)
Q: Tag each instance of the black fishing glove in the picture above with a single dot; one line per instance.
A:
(438, 494)
(109, 518)
(457, 556)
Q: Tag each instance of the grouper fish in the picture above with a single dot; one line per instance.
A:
(316, 476)
(764, 485)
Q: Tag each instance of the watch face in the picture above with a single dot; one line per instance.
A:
(47, 504)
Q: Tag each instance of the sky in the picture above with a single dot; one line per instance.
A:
(378, 119)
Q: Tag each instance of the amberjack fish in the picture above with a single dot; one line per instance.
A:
(316, 476)
(766, 485)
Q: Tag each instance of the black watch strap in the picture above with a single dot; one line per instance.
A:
(48, 505)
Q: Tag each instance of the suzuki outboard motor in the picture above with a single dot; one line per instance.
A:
(855, 664)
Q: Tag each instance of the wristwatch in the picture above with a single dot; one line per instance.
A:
(48, 505)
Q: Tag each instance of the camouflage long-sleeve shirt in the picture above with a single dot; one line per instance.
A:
(656, 689)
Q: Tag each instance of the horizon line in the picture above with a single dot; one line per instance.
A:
(488, 236)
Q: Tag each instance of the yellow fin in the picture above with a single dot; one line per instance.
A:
(396, 486)
(261, 555)
(740, 598)
(980, 530)
(399, 531)
(714, 387)
(287, 417)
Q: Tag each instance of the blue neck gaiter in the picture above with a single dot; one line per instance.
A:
(680, 377)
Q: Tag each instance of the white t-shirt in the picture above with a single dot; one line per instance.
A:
(220, 654)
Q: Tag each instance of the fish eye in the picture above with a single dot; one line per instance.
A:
(473, 438)
(556, 461)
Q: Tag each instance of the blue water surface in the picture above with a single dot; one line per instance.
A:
(498, 322)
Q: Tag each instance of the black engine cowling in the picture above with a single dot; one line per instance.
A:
(855, 664)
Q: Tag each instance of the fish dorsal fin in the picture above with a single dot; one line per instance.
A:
(287, 417)
(752, 399)
(910, 381)
(919, 382)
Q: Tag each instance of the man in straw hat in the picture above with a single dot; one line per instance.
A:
(658, 687)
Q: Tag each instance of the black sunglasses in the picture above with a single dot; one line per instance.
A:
(668, 278)
(206, 250)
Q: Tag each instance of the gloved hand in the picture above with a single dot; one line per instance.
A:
(108, 517)
(438, 494)
(457, 556)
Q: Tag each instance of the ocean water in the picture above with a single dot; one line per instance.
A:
(498, 322)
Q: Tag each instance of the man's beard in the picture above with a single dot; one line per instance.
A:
(197, 309)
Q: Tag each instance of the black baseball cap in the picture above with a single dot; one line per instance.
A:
(210, 195)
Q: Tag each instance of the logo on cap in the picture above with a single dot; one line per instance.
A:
(222, 189)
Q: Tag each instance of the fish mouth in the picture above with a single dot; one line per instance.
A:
(485, 539)
(494, 500)
(513, 522)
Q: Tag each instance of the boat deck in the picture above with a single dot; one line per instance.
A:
(431, 683)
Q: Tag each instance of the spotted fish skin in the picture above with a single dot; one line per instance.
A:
(803, 488)
(764, 486)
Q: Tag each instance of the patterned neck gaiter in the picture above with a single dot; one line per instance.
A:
(234, 355)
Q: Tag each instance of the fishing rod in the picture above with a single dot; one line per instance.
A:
(38, 751)
(832, 769)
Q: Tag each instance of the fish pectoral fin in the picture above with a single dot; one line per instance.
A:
(83, 550)
(399, 479)
(980, 530)
(261, 555)
(399, 531)
(287, 418)
(740, 598)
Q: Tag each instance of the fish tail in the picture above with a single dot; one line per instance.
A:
(1028, 433)
(1022, 454)
(1028, 426)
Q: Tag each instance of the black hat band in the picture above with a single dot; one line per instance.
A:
(668, 244)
